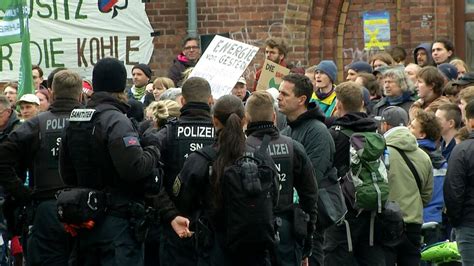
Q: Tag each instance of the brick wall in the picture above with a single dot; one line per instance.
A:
(315, 29)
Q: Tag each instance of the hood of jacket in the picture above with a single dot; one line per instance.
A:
(314, 112)
(402, 138)
(357, 122)
(427, 47)
(102, 97)
(430, 148)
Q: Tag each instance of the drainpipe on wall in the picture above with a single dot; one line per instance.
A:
(192, 18)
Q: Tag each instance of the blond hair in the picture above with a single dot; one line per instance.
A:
(259, 106)
(163, 110)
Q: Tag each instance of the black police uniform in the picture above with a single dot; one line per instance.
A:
(34, 147)
(295, 171)
(192, 131)
(295, 165)
(103, 152)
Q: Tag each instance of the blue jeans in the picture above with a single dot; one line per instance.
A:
(465, 241)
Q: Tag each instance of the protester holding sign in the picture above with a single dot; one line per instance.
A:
(271, 75)
(276, 50)
(223, 63)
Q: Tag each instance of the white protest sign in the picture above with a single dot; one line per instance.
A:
(76, 34)
(223, 63)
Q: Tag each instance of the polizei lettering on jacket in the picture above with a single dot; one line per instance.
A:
(56, 123)
(278, 149)
(80, 115)
(195, 132)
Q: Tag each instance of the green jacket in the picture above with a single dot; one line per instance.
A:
(402, 183)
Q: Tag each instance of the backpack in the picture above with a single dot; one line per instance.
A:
(250, 193)
(366, 184)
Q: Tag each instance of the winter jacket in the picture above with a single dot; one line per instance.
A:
(402, 183)
(430, 107)
(432, 212)
(309, 129)
(20, 150)
(302, 176)
(115, 155)
(405, 103)
(327, 104)
(12, 123)
(180, 64)
(446, 149)
(459, 184)
(193, 111)
(357, 122)
(145, 100)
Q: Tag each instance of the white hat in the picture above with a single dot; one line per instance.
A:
(29, 98)
(242, 80)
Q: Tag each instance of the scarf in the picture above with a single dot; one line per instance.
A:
(138, 93)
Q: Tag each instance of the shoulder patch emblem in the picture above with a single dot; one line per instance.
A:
(176, 186)
(131, 141)
(81, 115)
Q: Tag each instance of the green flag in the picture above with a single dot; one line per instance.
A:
(10, 21)
(25, 84)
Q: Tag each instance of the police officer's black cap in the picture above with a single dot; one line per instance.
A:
(109, 75)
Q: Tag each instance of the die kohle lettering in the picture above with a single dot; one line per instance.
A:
(195, 132)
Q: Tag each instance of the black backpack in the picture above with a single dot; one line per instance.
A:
(250, 194)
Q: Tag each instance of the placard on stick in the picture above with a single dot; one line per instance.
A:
(272, 74)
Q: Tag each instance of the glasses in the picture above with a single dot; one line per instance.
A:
(191, 47)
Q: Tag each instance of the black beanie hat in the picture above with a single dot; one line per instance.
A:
(145, 68)
(109, 75)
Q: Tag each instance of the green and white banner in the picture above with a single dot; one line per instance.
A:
(9, 22)
(76, 34)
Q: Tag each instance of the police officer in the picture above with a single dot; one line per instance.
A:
(34, 149)
(177, 140)
(295, 171)
(202, 189)
(101, 151)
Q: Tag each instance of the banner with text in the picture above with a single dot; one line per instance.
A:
(223, 63)
(272, 74)
(10, 27)
(76, 34)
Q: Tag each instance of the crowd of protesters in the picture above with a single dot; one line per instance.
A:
(422, 103)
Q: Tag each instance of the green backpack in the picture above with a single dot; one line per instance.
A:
(366, 185)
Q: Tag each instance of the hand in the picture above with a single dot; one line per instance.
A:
(180, 226)
(305, 262)
(149, 88)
